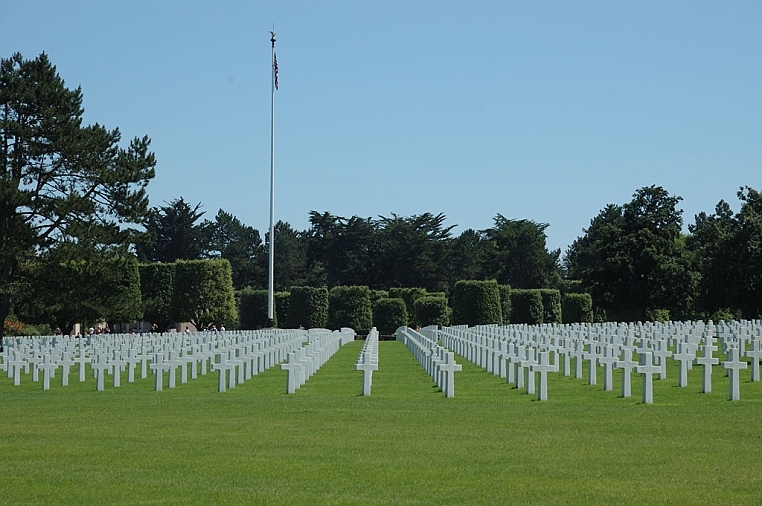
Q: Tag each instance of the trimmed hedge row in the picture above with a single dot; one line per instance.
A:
(349, 306)
(432, 310)
(409, 295)
(389, 314)
(505, 302)
(476, 303)
(252, 309)
(308, 307)
(578, 307)
(551, 305)
(473, 303)
(157, 281)
(527, 306)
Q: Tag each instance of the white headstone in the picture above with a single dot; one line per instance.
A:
(647, 368)
(543, 367)
(733, 365)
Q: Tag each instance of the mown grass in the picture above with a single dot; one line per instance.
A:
(405, 444)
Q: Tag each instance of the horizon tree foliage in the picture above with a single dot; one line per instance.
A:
(468, 256)
(727, 252)
(61, 180)
(241, 245)
(750, 245)
(172, 233)
(633, 259)
(290, 258)
(414, 252)
(342, 249)
(516, 254)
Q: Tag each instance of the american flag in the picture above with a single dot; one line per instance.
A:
(275, 69)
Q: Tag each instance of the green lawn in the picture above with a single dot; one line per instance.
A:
(405, 444)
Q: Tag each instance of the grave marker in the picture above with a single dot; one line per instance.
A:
(543, 367)
(733, 365)
(647, 368)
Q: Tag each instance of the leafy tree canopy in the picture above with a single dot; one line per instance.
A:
(61, 180)
(172, 233)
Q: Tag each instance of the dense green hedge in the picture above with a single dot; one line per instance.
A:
(280, 309)
(349, 306)
(578, 307)
(252, 309)
(308, 307)
(431, 310)
(526, 306)
(551, 305)
(505, 302)
(389, 314)
(157, 282)
(376, 295)
(204, 293)
(476, 303)
(408, 295)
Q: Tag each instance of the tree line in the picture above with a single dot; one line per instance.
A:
(382, 253)
(634, 258)
(73, 201)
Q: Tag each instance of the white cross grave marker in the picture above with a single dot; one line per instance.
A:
(647, 368)
(733, 365)
(543, 367)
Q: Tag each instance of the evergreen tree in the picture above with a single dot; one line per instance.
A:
(60, 180)
(173, 234)
(240, 245)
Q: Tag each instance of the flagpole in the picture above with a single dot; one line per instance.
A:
(271, 283)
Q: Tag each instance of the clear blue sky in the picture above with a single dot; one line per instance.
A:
(545, 110)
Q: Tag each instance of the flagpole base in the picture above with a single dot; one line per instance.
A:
(270, 323)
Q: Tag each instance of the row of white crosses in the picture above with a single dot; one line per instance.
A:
(513, 350)
(162, 353)
(303, 362)
(367, 362)
(242, 359)
(439, 362)
(516, 362)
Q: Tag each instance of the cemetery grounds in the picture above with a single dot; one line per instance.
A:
(406, 443)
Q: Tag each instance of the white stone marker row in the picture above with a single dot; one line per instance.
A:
(304, 362)
(439, 362)
(509, 351)
(238, 362)
(251, 351)
(367, 362)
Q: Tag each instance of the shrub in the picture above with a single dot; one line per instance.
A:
(389, 314)
(280, 309)
(408, 295)
(657, 315)
(476, 303)
(724, 314)
(157, 282)
(376, 295)
(204, 294)
(253, 309)
(551, 305)
(349, 306)
(432, 310)
(505, 302)
(577, 307)
(526, 306)
(12, 328)
(37, 329)
(308, 307)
